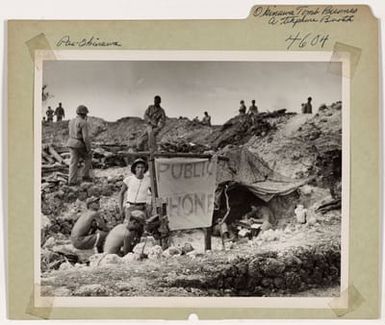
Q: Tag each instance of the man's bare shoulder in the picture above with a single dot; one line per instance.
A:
(90, 214)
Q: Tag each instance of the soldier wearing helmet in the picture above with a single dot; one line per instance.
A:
(59, 112)
(79, 145)
(308, 107)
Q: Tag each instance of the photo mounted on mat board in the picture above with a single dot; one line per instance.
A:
(227, 178)
(158, 168)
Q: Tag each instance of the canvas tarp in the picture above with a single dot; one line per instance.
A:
(187, 185)
(248, 170)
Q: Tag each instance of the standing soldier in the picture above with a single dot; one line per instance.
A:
(242, 108)
(59, 112)
(253, 111)
(79, 145)
(308, 106)
(155, 118)
(206, 119)
(49, 114)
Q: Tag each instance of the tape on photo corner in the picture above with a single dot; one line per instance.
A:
(40, 43)
(339, 51)
(352, 296)
(40, 312)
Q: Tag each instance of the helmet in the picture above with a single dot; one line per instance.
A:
(139, 161)
(82, 110)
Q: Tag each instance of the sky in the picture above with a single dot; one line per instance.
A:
(116, 89)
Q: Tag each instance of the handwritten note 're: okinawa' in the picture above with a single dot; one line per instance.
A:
(300, 15)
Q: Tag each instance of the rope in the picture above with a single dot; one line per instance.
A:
(227, 206)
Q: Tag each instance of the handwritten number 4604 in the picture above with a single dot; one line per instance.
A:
(306, 40)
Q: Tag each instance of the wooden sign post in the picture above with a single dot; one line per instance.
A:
(159, 208)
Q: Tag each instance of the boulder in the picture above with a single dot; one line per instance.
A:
(85, 186)
(76, 255)
(187, 248)
(91, 290)
(128, 258)
(62, 292)
(95, 259)
(107, 190)
(94, 191)
(144, 247)
(172, 251)
(49, 243)
(312, 220)
(272, 267)
(82, 196)
(155, 252)
(194, 254)
(124, 286)
(65, 266)
(110, 259)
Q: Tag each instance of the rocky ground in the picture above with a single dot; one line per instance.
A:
(292, 259)
(287, 261)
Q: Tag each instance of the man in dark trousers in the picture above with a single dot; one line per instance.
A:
(206, 119)
(90, 230)
(308, 106)
(59, 112)
(80, 146)
(253, 111)
(242, 108)
(49, 114)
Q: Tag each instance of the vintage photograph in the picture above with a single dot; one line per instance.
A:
(191, 175)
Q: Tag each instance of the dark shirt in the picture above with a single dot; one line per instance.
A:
(253, 109)
(59, 111)
(155, 116)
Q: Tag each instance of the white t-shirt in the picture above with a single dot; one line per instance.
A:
(138, 190)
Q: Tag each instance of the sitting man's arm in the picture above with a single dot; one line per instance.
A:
(101, 224)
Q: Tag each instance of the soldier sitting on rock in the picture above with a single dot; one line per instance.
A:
(90, 229)
(123, 237)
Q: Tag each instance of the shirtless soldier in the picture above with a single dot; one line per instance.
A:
(90, 229)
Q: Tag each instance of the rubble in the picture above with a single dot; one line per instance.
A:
(172, 251)
(305, 145)
(155, 252)
(110, 259)
(182, 145)
(128, 258)
(91, 290)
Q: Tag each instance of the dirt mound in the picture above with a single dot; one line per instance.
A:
(304, 145)
(236, 131)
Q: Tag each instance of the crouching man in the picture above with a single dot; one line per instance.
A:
(263, 214)
(90, 229)
(123, 238)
